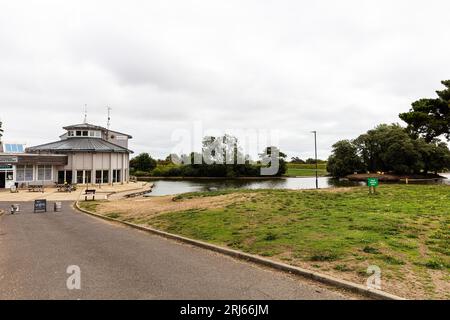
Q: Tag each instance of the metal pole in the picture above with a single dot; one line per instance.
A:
(315, 152)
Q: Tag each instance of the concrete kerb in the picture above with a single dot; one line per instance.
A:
(108, 194)
(325, 279)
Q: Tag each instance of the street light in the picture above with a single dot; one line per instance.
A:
(315, 152)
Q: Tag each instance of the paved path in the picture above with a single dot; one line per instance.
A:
(122, 263)
(51, 193)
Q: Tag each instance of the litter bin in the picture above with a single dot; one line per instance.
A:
(15, 208)
(57, 206)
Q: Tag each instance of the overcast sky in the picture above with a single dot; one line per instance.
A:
(338, 67)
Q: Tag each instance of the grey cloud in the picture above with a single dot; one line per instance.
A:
(336, 67)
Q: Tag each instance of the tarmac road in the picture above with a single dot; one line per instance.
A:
(117, 262)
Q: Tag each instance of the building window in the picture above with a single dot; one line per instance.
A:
(61, 177)
(44, 173)
(87, 176)
(80, 176)
(85, 133)
(105, 176)
(98, 176)
(95, 134)
(24, 173)
(69, 176)
(70, 133)
(116, 175)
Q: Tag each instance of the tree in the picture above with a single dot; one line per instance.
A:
(223, 149)
(430, 118)
(344, 159)
(297, 160)
(1, 130)
(434, 157)
(143, 162)
(388, 148)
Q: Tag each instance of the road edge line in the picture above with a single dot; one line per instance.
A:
(323, 278)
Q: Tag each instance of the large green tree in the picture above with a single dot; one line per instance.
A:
(143, 162)
(388, 148)
(344, 159)
(434, 156)
(430, 118)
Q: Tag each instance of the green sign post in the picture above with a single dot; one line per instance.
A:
(372, 183)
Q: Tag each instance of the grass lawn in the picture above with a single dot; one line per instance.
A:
(404, 229)
(305, 170)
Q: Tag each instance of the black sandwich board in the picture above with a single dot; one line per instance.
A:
(40, 205)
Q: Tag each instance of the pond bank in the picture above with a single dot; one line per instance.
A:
(396, 178)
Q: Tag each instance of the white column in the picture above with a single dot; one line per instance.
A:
(110, 173)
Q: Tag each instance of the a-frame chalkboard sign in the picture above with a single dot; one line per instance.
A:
(40, 205)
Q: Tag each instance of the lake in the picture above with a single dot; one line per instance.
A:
(171, 187)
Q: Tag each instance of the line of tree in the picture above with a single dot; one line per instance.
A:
(415, 149)
(214, 161)
(298, 160)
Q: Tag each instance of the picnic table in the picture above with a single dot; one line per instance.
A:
(35, 188)
(89, 192)
(65, 187)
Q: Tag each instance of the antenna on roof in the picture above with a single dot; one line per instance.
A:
(109, 117)
(85, 114)
(109, 122)
(1, 130)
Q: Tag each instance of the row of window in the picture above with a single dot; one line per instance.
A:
(25, 173)
(84, 133)
(85, 176)
(44, 173)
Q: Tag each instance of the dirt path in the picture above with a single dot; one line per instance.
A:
(147, 207)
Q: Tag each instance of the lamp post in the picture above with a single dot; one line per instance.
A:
(315, 152)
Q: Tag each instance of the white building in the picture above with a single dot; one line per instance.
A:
(85, 154)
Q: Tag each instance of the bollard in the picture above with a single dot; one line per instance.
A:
(57, 207)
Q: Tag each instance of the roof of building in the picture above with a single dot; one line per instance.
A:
(80, 145)
(89, 126)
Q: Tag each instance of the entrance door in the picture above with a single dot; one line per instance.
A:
(60, 177)
(2, 180)
(69, 177)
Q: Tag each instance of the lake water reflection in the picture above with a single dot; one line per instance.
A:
(170, 187)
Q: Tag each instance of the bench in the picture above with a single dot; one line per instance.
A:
(65, 187)
(89, 192)
(35, 188)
